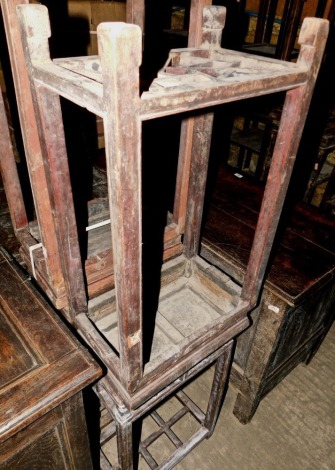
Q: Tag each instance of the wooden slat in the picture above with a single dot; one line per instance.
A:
(72, 86)
(201, 142)
(55, 166)
(121, 49)
(31, 140)
(135, 11)
(9, 174)
(312, 39)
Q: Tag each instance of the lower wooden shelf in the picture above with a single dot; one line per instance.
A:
(198, 309)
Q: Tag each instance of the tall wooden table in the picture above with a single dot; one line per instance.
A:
(163, 322)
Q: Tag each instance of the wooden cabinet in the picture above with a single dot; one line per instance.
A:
(43, 370)
(296, 307)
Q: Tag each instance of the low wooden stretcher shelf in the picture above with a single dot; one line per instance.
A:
(163, 324)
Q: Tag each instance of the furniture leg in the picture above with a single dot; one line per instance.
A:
(124, 432)
(245, 408)
(218, 389)
(9, 174)
(268, 328)
(31, 142)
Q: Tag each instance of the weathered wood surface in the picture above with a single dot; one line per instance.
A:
(122, 129)
(216, 77)
(312, 40)
(203, 75)
(47, 271)
(40, 259)
(77, 77)
(187, 305)
(99, 268)
(206, 420)
(192, 80)
(180, 85)
(189, 408)
(201, 142)
(195, 315)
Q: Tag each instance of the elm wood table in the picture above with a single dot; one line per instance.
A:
(194, 79)
(43, 371)
(297, 303)
(163, 322)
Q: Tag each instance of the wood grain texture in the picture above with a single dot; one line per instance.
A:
(57, 440)
(193, 80)
(43, 365)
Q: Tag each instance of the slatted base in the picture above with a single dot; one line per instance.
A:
(165, 428)
(169, 433)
